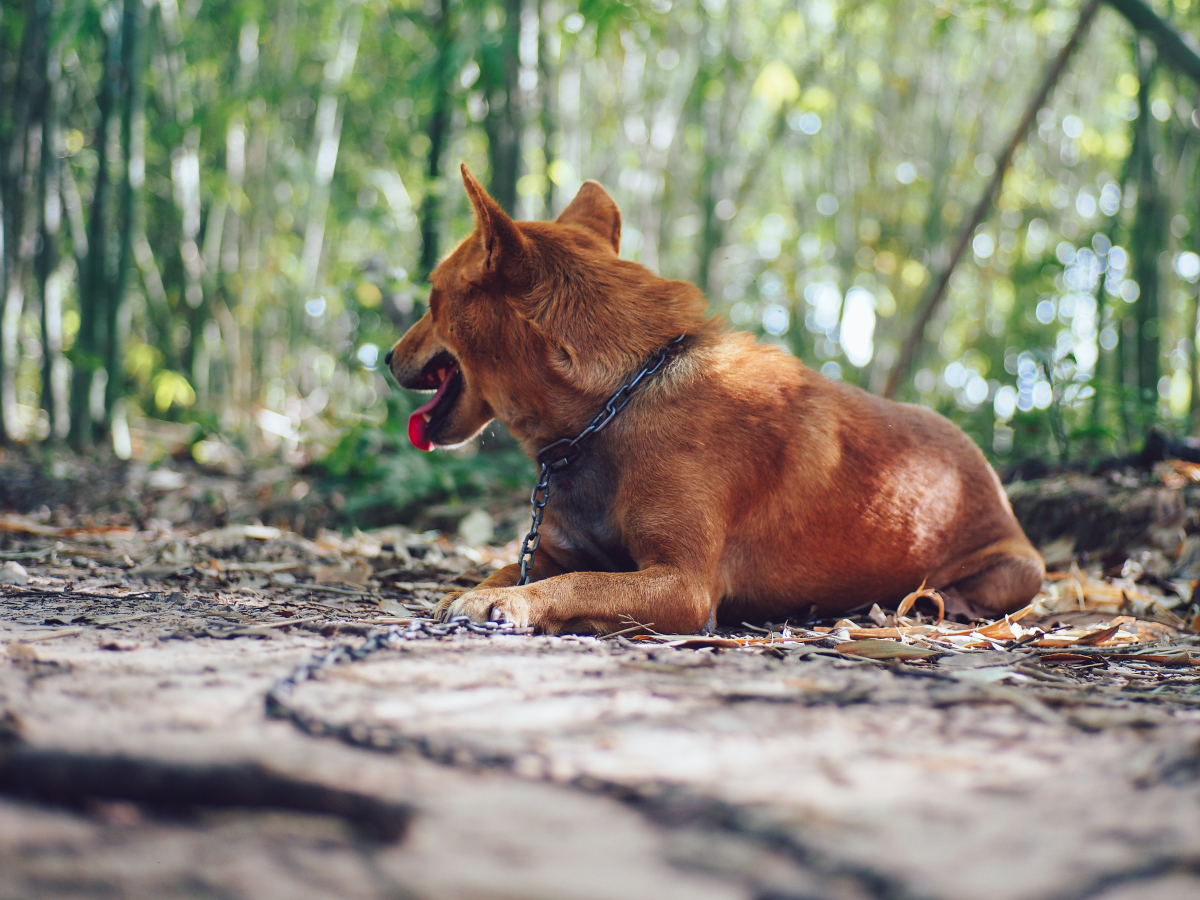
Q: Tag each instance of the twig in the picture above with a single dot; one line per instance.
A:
(934, 298)
(635, 627)
(331, 589)
(105, 621)
(66, 632)
(283, 622)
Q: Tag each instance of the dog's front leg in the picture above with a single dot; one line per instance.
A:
(662, 596)
(544, 566)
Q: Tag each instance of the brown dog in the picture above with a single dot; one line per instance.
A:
(737, 483)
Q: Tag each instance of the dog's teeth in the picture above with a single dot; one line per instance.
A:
(426, 416)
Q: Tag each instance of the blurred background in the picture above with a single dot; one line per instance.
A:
(219, 214)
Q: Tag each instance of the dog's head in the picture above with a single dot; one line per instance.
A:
(531, 322)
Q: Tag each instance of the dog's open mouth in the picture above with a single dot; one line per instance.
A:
(442, 376)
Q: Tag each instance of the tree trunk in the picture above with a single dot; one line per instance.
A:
(132, 167)
(712, 233)
(94, 278)
(503, 123)
(20, 151)
(1105, 364)
(50, 218)
(1148, 241)
(547, 118)
(1194, 322)
(1176, 52)
(439, 126)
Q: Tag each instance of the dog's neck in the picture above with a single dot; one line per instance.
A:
(570, 416)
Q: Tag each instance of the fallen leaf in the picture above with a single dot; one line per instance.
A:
(704, 643)
(13, 573)
(14, 524)
(1189, 470)
(870, 649)
(1077, 638)
(1181, 658)
(922, 593)
(236, 534)
(1098, 637)
(120, 646)
(354, 571)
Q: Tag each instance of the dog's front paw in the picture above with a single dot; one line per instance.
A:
(439, 611)
(488, 605)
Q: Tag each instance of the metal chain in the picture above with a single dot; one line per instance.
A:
(279, 696)
(561, 453)
(552, 458)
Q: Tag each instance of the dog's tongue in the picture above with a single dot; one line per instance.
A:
(418, 422)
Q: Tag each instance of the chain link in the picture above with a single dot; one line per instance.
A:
(278, 699)
(559, 454)
(552, 458)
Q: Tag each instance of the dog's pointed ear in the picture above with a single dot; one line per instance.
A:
(503, 244)
(594, 210)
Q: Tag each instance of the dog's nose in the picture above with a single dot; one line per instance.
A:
(387, 360)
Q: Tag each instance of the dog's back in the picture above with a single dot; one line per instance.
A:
(738, 482)
(826, 492)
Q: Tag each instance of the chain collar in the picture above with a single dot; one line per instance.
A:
(559, 454)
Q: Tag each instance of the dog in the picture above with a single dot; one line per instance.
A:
(737, 484)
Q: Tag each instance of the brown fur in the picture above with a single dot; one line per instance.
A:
(737, 484)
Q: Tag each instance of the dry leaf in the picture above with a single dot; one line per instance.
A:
(15, 524)
(885, 650)
(13, 573)
(353, 571)
(1099, 637)
(1189, 470)
(1082, 637)
(703, 643)
(922, 593)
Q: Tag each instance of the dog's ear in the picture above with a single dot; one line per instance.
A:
(503, 244)
(594, 210)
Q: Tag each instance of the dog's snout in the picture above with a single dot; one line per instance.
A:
(387, 359)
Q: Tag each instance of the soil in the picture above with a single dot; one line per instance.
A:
(883, 756)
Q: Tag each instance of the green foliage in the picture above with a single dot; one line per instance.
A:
(384, 478)
(809, 165)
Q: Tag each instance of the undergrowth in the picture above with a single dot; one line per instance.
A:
(383, 476)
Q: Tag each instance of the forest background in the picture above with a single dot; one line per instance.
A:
(217, 215)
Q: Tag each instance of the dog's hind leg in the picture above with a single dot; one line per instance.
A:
(1002, 583)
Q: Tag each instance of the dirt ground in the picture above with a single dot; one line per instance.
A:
(1056, 755)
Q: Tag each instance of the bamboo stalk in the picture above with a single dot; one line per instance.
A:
(1174, 49)
(50, 208)
(938, 292)
(131, 118)
(439, 126)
